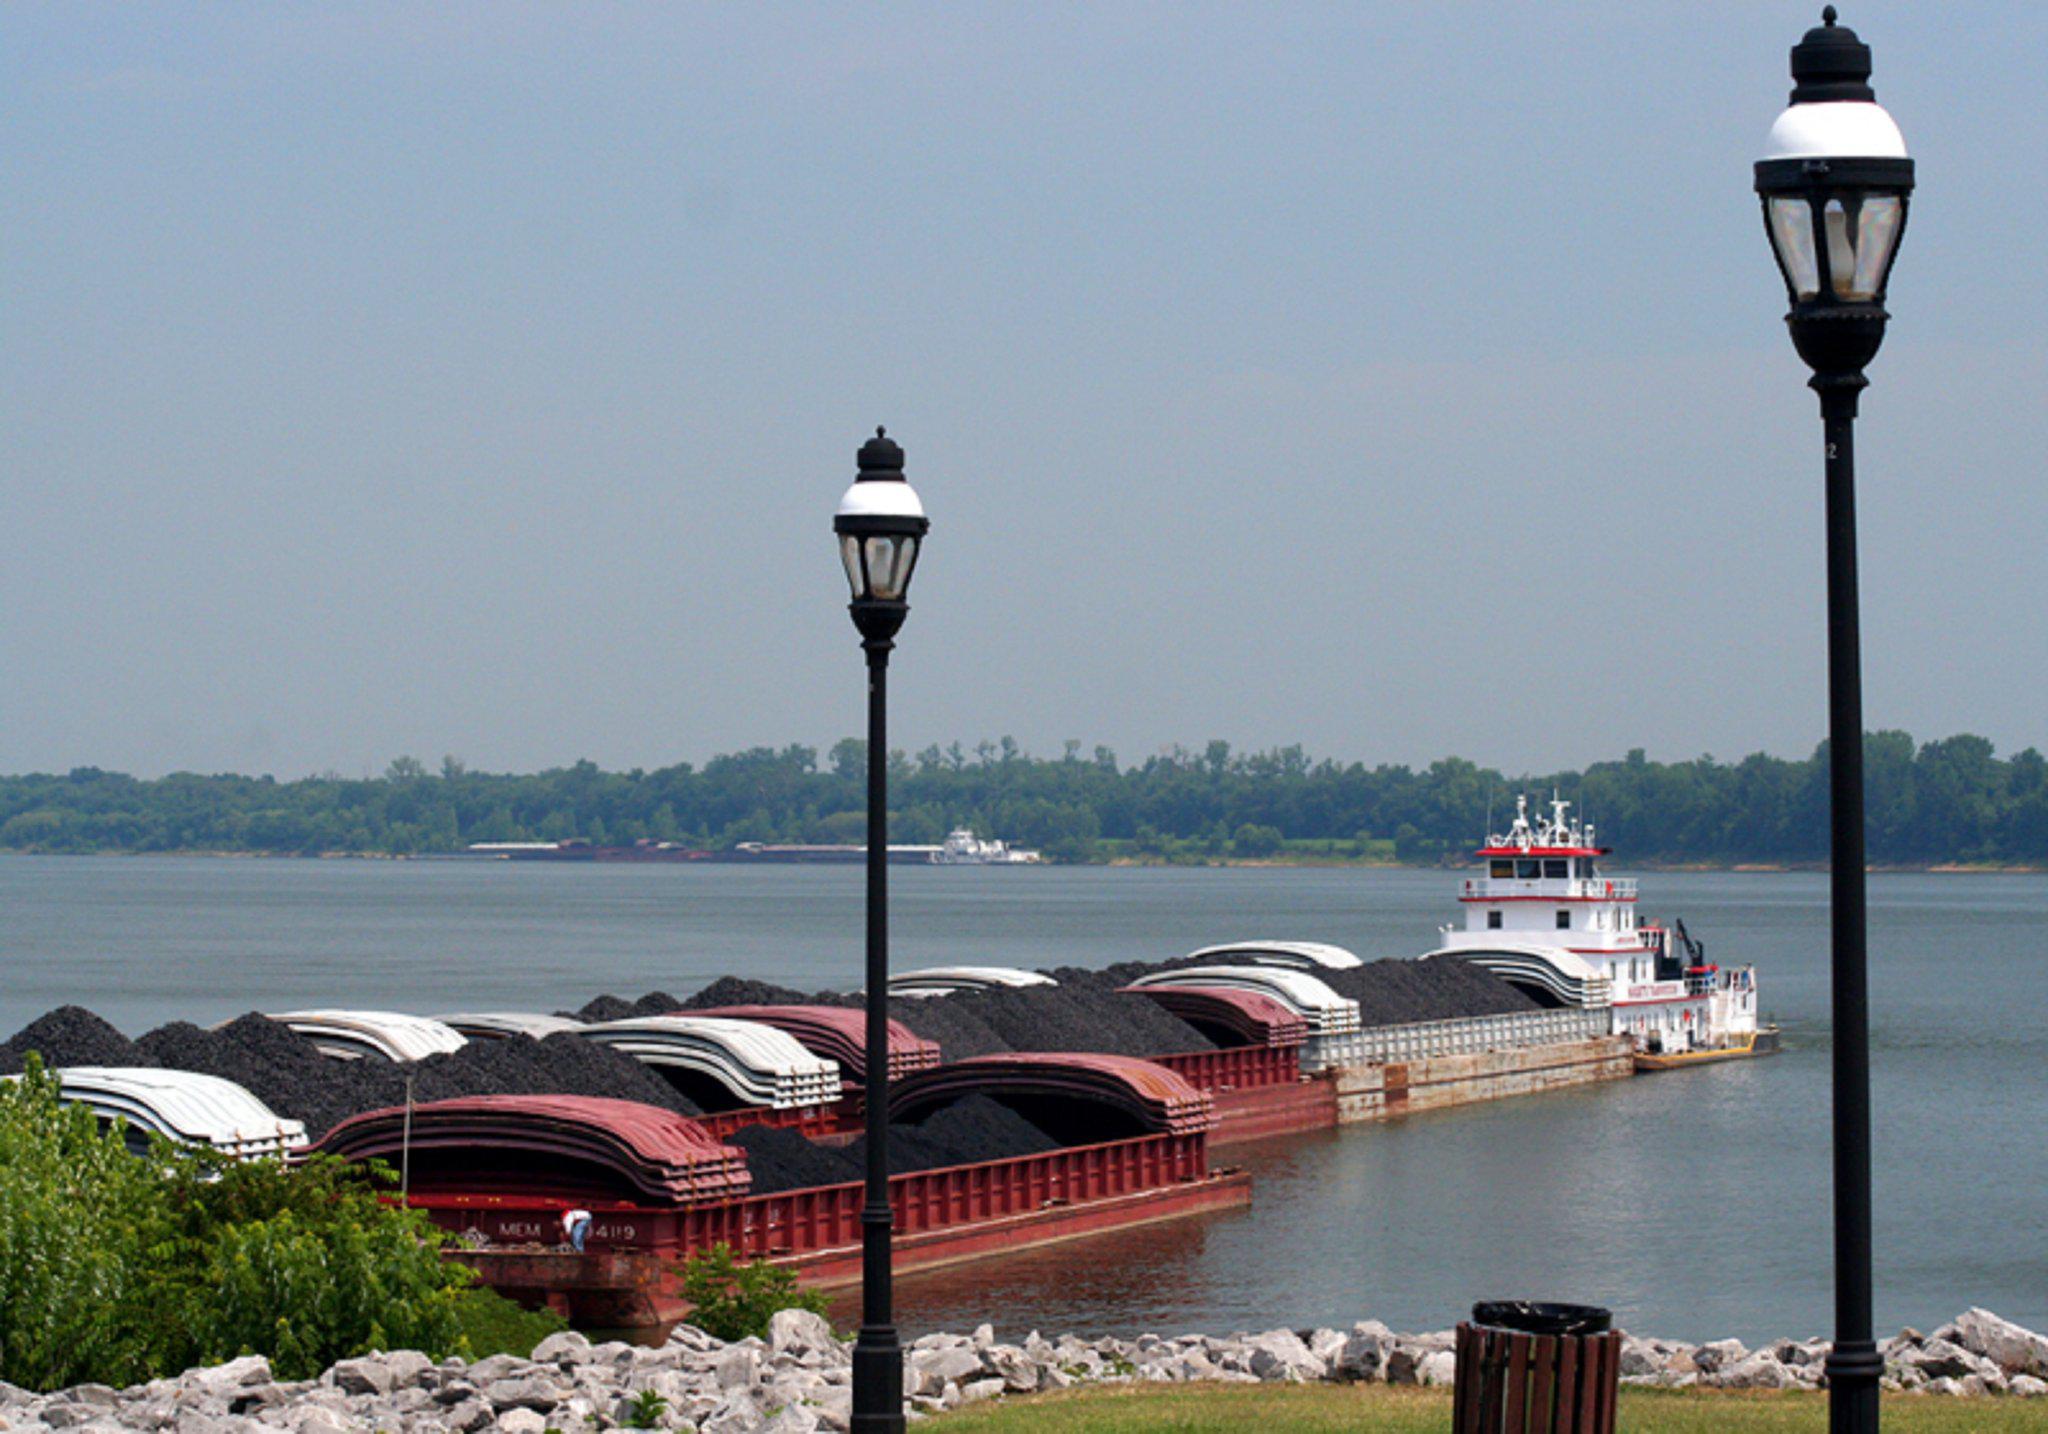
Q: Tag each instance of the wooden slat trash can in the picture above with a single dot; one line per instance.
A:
(1532, 1368)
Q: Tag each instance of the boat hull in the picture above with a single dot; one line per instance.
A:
(1760, 1043)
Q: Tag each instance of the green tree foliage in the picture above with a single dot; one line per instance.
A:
(733, 1301)
(1948, 800)
(70, 1245)
(116, 1267)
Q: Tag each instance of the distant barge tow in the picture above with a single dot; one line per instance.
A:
(960, 848)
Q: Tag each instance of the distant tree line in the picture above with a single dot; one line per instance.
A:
(1954, 800)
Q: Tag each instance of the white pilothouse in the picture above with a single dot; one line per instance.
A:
(1544, 918)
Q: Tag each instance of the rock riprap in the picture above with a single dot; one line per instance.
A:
(800, 1379)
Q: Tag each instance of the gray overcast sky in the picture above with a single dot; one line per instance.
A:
(1397, 379)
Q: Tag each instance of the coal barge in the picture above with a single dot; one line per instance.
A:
(1028, 1108)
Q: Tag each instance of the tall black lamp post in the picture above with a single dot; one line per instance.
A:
(1834, 181)
(880, 525)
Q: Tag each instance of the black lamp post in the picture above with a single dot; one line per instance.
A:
(1834, 182)
(881, 526)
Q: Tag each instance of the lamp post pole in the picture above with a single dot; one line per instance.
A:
(877, 1352)
(1853, 1364)
(881, 526)
(1835, 184)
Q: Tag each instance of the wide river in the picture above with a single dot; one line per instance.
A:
(1695, 1204)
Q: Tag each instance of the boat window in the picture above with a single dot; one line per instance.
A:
(1588, 868)
(1564, 921)
(1493, 921)
(1528, 869)
(1554, 868)
(1503, 869)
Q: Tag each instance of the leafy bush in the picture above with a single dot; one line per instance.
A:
(116, 1267)
(70, 1247)
(733, 1301)
(492, 1324)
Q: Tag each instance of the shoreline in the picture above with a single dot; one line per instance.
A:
(1738, 868)
(799, 1377)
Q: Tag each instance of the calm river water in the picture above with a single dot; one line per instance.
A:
(1695, 1204)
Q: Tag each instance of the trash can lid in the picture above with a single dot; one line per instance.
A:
(1542, 1317)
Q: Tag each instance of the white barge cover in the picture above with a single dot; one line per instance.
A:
(1301, 955)
(945, 980)
(378, 1035)
(187, 1107)
(489, 1025)
(757, 1063)
(1327, 1013)
(1549, 972)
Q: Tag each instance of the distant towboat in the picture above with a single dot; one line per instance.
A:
(963, 848)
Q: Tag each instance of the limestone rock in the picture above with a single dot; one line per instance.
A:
(361, 1376)
(737, 1367)
(498, 1366)
(1941, 1359)
(974, 1391)
(522, 1421)
(469, 1414)
(1280, 1355)
(1438, 1367)
(928, 1371)
(1758, 1371)
(315, 1419)
(1017, 1370)
(1639, 1358)
(2011, 1347)
(1364, 1356)
(250, 1369)
(565, 1347)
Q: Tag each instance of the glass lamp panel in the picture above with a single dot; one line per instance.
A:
(1877, 234)
(906, 559)
(1861, 232)
(849, 553)
(1792, 237)
(1841, 248)
(882, 576)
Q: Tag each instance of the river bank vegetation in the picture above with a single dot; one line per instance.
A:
(1949, 801)
(118, 1266)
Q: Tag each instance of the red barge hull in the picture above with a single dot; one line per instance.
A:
(628, 1277)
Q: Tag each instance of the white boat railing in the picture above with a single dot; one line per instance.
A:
(1466, 1035)
(1598, 888)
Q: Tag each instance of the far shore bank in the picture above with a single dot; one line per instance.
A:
(1740, 868)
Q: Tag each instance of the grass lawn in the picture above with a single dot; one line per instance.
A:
(1311, 1408)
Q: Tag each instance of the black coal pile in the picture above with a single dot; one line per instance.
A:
(779, 1159)
(1389, 993)
(1078, 1018)
(980, 1128)
(966, 1132)
(1089, 1015)
(738, 991)
(69, 1036)
(272, 1062)
(561, 1064)
(602, 1008)
(617, 1008)
(960, 1031)
(286, 1071)
(1395, 992)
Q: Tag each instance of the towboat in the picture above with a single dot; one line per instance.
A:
(963, 848)
(1544, 917)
